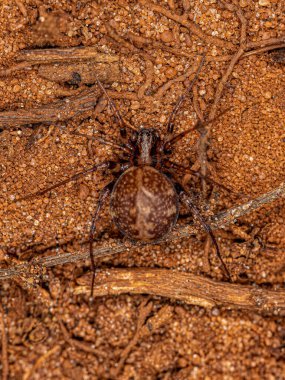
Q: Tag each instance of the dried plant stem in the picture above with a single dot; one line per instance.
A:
(186, 287)
(223, 81)
(144, 310)
(79, 53)
(219, 220)
(60, 110)
(183, 20)
(29, 58)
(4, 341)
(50, 113)
(41, 360)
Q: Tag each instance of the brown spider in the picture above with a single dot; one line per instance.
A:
(144, 191)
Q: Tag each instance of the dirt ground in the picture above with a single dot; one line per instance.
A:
(53, 333)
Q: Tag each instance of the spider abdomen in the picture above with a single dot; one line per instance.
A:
(144, 204)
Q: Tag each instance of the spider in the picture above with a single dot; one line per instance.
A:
(144, 193)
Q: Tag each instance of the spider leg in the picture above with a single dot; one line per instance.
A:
(104, 193)
(101, 166)
(170, 124)
(180, 136)
(118, 116)
(186, 199)
(102, 198)
(103, 141)
(198, 174)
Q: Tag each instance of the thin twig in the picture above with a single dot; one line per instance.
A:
(181, 78)
(42, 359)
(29, 58)
(149, 76)
(189, 24)
(223, 81)
(220, 88)
(5, 362)
(79, 53)
(217, 221)
(144, 310)
(79, 344)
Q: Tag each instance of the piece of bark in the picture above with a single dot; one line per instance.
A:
(186, 287)
(28, 58)
(46, 56)
(53, 112)
(81, 72)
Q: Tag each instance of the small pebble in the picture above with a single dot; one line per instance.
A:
(243, 3)
(170, 72)
(135, 105)
(264, 3)
(215, 311)
(83, 191)
(167, 36)
(16, 88)
(267, 95)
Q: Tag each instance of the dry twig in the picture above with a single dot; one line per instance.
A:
(60, 110)
(40, 361)
(186, 287)
(79, 53)
(4, 341)
(193, 28)
(50, 113)
(187, 75)
(80, 345)
(144, 310)
(149, 74)
(29, 58)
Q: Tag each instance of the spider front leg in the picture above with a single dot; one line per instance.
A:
(186, 199)
(104, 193)
(101, 166)
(122, 123)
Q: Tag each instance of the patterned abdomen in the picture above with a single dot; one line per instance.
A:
(144, 204)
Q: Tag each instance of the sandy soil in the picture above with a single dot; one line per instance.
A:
(53, 333)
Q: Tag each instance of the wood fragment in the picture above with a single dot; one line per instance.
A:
(78, 344)
(22, 8)
(79, 53)
(81, 73)
(60, 110)
(186, 287)
(4, 342)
